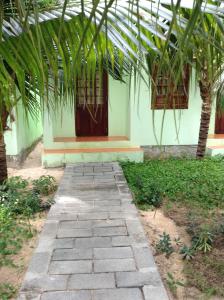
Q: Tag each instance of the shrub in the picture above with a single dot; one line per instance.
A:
(45, 185)
(12, 234)
(164, 245)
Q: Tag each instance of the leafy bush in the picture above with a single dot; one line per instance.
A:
(164, 245)
(147, 194)
(7, 291)
(20, 201)
(187, 252)
(173, 283)
(203, 240)
(45, 185)
(19, 198)
(197, 183)
(12, 234)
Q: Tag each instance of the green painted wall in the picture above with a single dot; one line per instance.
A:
(179, 126)
(11, 140)
(24, 132)
(63, 120)
(133, 117)
(118, 108)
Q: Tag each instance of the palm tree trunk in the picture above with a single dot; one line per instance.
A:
(205, 91)
(3, 164)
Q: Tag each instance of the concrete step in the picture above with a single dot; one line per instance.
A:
(59, 157)
(91, 142)
(215, 150)
(215, 140)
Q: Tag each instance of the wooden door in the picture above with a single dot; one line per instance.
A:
(219, 121)
(91, 116)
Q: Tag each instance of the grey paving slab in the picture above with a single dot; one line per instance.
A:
(93, 246)
(67, 295)
(114, 265)
(154, 293)
(138, 278)
(109, 231)
(108, 223)
(118, 294)
(113, 252)
(72, 254)
(91, 281)
(70, 267)
(66, 233)
(95, 242)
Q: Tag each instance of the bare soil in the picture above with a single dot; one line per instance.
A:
(155, 223)
(31, 169)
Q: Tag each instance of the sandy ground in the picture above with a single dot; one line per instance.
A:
(155, 223)
(31, 169)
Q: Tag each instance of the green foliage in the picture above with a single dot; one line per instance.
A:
(18, 202)
(19, 199)
(7, 291)
(25, 202)
(45, 185)
(206, 274)
(187, 252)
(195, 183)
(15, 183)
(164, 244)
(12, 234)
(173, 283)
(203, 240)
(147, 195)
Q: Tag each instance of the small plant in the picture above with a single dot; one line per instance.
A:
(12, 234)
(203, 241)
(177, 241)
(187, 252)
(164, 244)
(7, 291)
(48, 203)
(14, 183)
(173, 283)
(148, 194)
(45, 185)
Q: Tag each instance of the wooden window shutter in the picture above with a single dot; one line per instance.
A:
(165, 95)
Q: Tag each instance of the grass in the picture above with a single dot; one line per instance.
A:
(20, 200)
(197, 183)
(191, 192)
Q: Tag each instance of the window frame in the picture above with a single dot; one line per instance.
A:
(158, 103)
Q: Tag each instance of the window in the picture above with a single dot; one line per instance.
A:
(166, 95)
(89, 92)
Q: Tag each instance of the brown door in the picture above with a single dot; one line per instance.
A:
(91, 116)
(219, 121)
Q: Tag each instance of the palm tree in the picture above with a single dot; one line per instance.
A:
(208, 60)
(36, 43)
(205, 54)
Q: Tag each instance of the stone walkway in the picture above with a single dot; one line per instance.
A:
(93, 245)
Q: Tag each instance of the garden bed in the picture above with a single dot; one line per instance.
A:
(22, 221)
(181, 204)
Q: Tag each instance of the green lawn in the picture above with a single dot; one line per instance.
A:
(197, 183)
(191, 192)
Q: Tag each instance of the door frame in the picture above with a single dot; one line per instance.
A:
(219, 118)
(105, 109)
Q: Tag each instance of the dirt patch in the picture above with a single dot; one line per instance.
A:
(31, 169)
(14, 276)
(155, 223)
